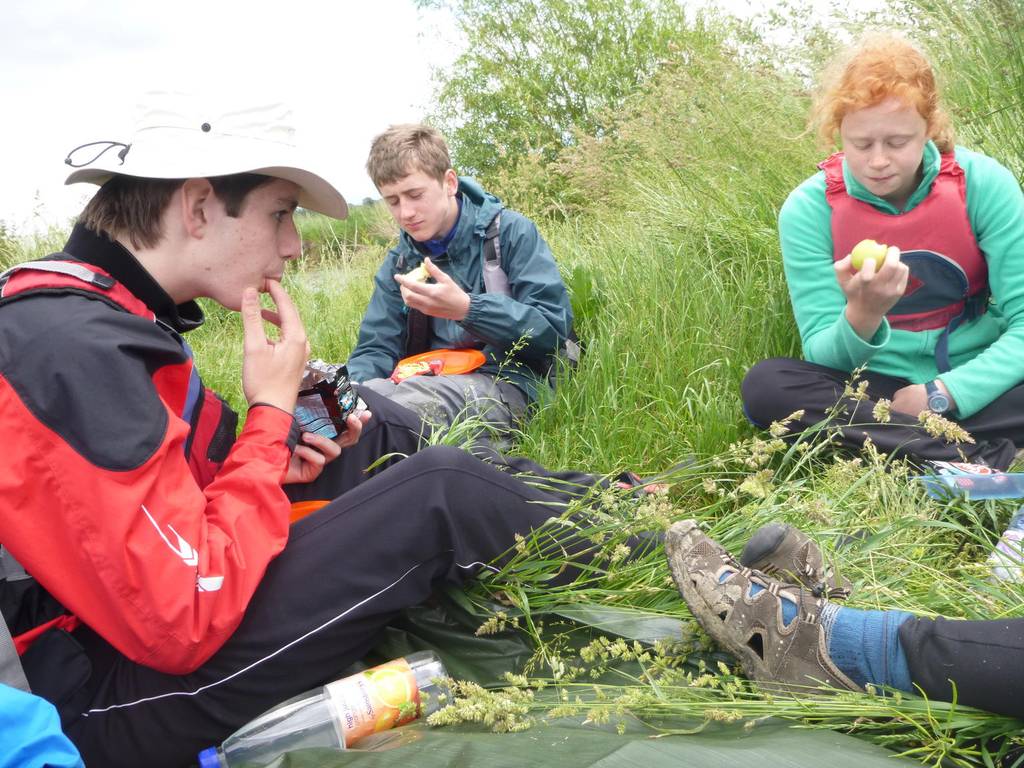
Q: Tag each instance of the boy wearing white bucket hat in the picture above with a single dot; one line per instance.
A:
(154, 589)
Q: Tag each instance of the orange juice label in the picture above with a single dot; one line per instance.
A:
(375, 700)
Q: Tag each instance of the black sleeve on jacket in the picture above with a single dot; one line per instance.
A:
(84, 369)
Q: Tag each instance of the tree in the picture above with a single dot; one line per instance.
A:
(536, 72)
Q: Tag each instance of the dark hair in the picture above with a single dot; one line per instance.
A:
(131, 207)
(232, 190)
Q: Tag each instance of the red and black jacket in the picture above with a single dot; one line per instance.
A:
(125, 493)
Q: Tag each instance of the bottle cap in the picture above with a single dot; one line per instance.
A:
(208, 758)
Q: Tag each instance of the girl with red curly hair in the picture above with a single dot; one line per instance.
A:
(934, 322)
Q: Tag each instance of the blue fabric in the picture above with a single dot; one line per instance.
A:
(30, 734)
(865, 645)
(788, 606)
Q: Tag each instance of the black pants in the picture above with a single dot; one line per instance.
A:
(775, 388)
(383, 544)
(395, 431)
(392, 431)
(983, 659)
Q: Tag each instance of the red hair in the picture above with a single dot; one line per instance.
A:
(880, 66)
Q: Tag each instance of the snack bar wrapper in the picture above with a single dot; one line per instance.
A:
(326, 399)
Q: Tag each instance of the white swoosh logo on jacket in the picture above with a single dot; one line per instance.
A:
(188, 554)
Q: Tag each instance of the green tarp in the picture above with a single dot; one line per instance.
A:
(569, 746)
(447, 625)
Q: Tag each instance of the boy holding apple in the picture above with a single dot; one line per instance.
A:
(466, 273)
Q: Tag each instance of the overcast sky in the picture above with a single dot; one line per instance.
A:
(71, 72)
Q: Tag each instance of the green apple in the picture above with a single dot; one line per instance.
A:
(868, 249)
(419, 274)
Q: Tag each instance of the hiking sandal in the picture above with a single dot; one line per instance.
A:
(781, 657)
(785, 552)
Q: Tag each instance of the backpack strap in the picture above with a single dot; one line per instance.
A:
(974, 307)
(495, 279)
(11, 672)
(83, 273)
(417, 333)
(11, 569)
(417, 324)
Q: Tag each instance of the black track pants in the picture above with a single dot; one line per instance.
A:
(775, 388)
(396, 431)
(438, 516)
(984, 659)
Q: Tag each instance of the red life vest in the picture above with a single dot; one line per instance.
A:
(211, 422)
(948, 282)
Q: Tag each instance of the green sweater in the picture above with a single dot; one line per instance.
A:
(986, 354)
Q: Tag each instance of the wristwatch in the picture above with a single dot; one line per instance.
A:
(938, 402)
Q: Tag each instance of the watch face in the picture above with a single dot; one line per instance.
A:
(938, 403)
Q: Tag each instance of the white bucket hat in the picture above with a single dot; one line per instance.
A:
(176, 138)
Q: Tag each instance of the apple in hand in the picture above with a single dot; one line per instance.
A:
(419, 274)
(867, 249)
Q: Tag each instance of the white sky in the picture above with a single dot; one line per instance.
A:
(71, 71)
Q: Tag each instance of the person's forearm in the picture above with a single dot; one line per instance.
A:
(865, 322)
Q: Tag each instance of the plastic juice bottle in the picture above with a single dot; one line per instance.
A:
(339, 714)
(1007, 559)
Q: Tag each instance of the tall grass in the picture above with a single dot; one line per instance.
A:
(15, 248)
(327, 239)
(682, 290)
(900, 549)
(978, 45)
(678, 287)
(675, 270)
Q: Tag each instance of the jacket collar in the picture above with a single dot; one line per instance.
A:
(931, 162)
(92, 248)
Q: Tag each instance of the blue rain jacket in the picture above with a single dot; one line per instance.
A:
(30, 734)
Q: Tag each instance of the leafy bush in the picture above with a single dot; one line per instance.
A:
(533, 75)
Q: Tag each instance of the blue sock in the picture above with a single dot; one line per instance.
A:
(788, 606)
(865, 645)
